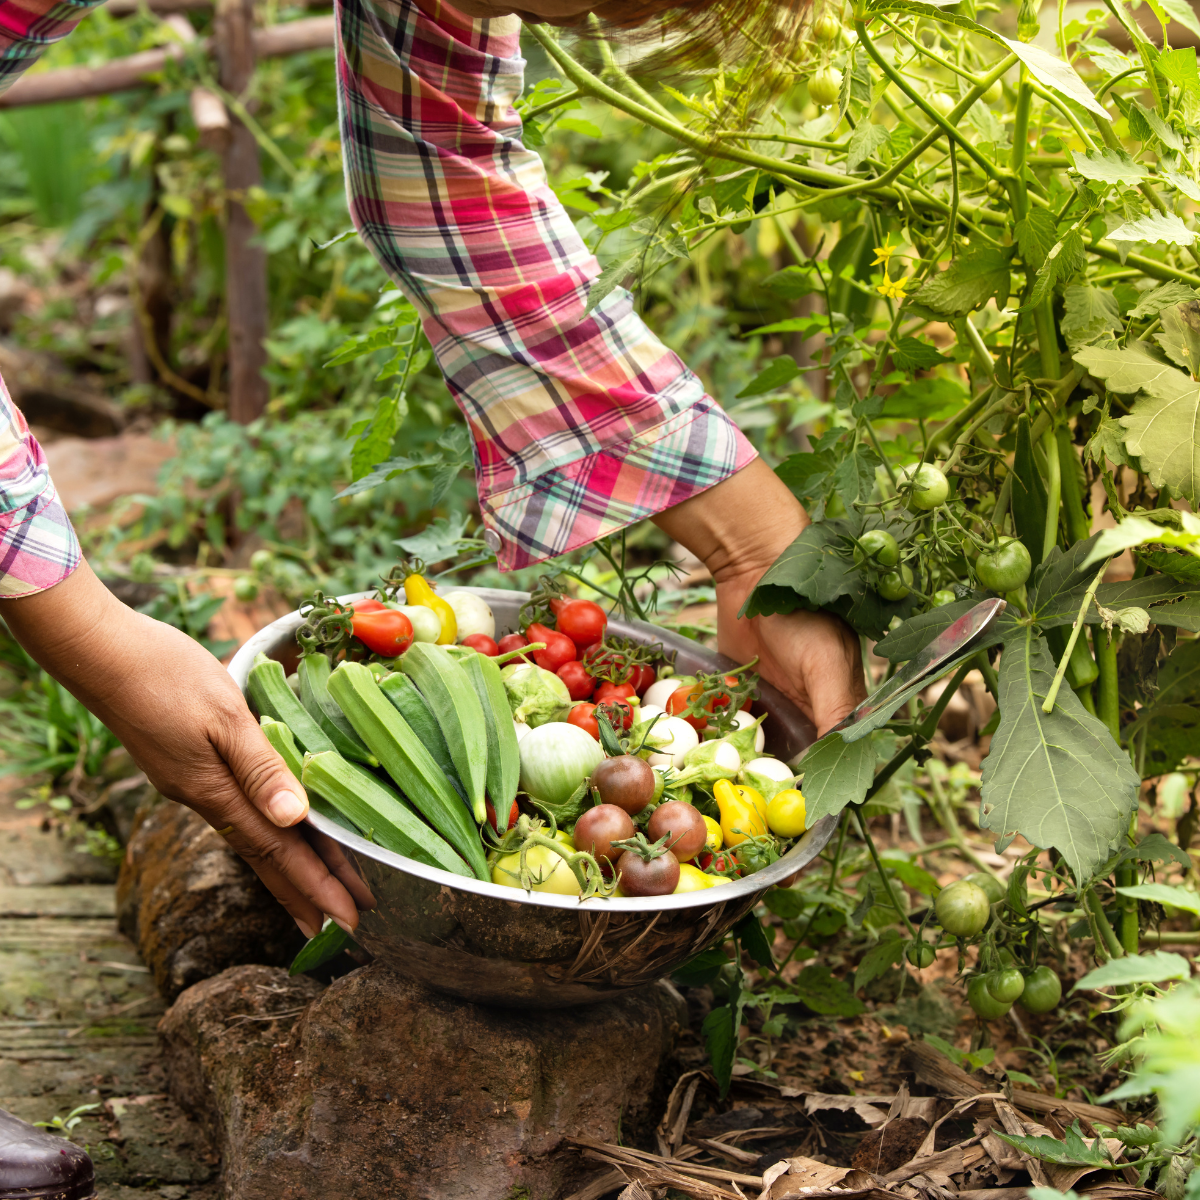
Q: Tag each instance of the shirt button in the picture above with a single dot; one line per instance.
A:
(492, 540)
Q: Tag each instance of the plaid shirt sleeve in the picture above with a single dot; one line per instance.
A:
(582, 422)
(38, 547)
(27, 27)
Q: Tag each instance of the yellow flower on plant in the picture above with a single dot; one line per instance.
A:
(893, 289)
(883, 255)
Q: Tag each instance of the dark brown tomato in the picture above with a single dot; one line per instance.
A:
(626, 781)
(599, 827)
(658, 877)
(684, 824)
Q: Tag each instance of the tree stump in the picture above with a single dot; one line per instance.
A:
(375, 1087)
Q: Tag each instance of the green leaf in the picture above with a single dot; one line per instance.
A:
(1181, 11)
(1155, 227)
(913, 354)
(773, 378)
(854, 476)
(817, 989)
(864, 142)
(1108, 166)
(879, 959)
(701, 970)
(785, 903)
(806, 473)
(925, 399)
(329, 943)
(1124, 369)
(793, 283)
(970, 281)
(911, 875)
(836, 773)
(580, 125)
(375, 441)
(438, 540)
(1158, 966)
(1035, 236)
(1180, 336)
(754, 940)
(720, 1040)
(1179, 67)
(1162, 893)
(1051, 72)
(1065, 260)
(1183, 567)
(1163, 431)
(1089, 313)
(1184, 183)
(815, 567)
(1155, 848)
(609, 279)
(1155, 124)
(1072, 1151)
(1166, 295)
(1139, 531)
(1058, 779)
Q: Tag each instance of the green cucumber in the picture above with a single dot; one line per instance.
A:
(403, 693)
(280, 736)
(504, 755)
(272, 697)
(406, 759)
(378, 811)
(314, 672)
(456, 709)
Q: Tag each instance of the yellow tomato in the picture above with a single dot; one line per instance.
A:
(717, 880)
(743, 812)
(418, 591)
(785, 813)
(714, 840)
(548, 870)
(692, 879)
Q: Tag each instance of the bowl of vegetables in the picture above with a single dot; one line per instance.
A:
(545, 829)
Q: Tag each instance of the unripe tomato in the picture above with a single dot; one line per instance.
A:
(483, 644)
(982, 1001)
(1005, 568)
(261, 561)
(1006, 985)
(895, 585)
(994, 93)
(245, 589)
(825, 86)
(962, 909)
(879, 547)
(1043, 991)
(785, 813)
(826, 28)
(942, 103)
(929, 487)
(992, 887)
(942, 597)
(579, 683)
(921, 955)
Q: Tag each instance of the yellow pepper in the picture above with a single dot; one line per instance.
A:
(692, 879)
(743, 812)
(785, 813)
(417, 591)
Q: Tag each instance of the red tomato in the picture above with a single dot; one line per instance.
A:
(482, 643)
(618, 710)
(678, 701)
(513, 814)
(642, 676)
(581, 715)
(559, 648)
(720, 864)
(558, 603)
(510, 642)
(582, 621)
(368, 606)
(579, 683)
(384, 632)
(614, 691)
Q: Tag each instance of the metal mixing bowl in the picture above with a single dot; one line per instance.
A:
(501, 946)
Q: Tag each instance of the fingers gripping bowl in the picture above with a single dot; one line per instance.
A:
(504, 946)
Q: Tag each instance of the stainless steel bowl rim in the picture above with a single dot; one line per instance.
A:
(796, 857)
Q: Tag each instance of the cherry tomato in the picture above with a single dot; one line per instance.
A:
(368, 606)
(582, 715)
(879, 547)
(601, 660)
(929, 487)
(626, 781)
(641, 677)
(559, 648)
(994, 889)
(384, 632)
(982, 1001)
(825, 86)
(658, 877)
(962, 909)
(685, 825)
(512, 641)
(942, 597)
(715, 839)
(677, 704)
(921, 955)
(513, 814)
(826, 28)
(579, 683)
(582, 621)
(720, 864)
(942, 103)
(1005, 568)
(785, 813)
(482, 643)
(895, 585)
(599, 827)
(619, 712)
(1005, 985)
(1043, 991)
(614, 691)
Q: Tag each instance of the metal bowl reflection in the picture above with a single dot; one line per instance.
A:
(496, 945)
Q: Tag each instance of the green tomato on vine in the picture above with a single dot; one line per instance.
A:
(879, 547)
(943, 596)
(1004, 568)
(895, 585)
(1005, 985)
(985, 1005)
(1042, 992)
(826, 28)
(825, 86)
(942, 103)
(926, 487)
(962, 909)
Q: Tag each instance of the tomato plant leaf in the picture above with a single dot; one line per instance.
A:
(817, 989)
(1162, 297)
(1163, 431)
(1126, 369)
(1159, 966)
(1108, 166)
(925, 399)
(1035, 236)
(1050, 71)
(1072, 1151)
(1065, 260)
(1155, 227)
(1177, 10)
(1154, 847)
(813, 571)
(702, 969)
(1180, 336)
(1028, 494)
(806, 474)
(836, 773)
(880, 959)
(913, 354)
(327, 944)
(754, 940)
(1184, 567)
(375, 440)
(1057, 778)
(1089, 313)
(970, 281)
(775, 376)
(1179, 67)
(720, 1040)
(1163, 893)
(912, 636)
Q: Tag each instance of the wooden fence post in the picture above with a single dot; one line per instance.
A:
(245, 263)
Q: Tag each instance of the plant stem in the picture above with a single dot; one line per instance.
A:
(1052, 694)
(1100, 925)
(948, 820)
(883, 875)
(1127, 877)
(1053, 491)
(1073, 504)
(1108, 704)
(989, 674)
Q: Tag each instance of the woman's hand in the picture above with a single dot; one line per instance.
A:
(182, 718)
(738, 529)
